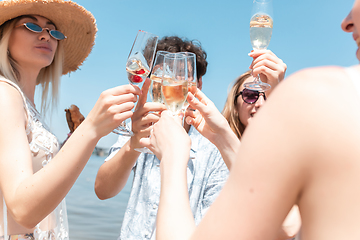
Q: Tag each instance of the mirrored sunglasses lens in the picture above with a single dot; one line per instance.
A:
(33, 27)
(250, 96)
(57, 35)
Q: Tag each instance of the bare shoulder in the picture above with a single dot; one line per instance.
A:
(328, 115)
(8, 90)
(11, 104)
(325, 76)
(319, 71)
(317, 85)
(320, 109)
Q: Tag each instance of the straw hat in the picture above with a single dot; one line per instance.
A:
(71, 19)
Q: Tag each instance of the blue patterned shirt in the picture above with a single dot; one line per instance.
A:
(206, 175)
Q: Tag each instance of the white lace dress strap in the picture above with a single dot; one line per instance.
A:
(27, 111)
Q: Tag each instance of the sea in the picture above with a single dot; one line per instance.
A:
(89, 217)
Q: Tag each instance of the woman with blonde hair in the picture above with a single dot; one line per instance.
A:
(40, 40)
(242, 104)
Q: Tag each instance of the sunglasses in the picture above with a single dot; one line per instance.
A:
(37, 29)
(249, 96)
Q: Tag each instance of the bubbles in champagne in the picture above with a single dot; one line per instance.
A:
(155, 89)
(191, 88)
(137, 68)
(174, 94)
(260, 31)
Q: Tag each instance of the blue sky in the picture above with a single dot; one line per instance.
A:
(306, 33)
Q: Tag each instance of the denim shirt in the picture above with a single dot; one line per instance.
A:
(206, 175)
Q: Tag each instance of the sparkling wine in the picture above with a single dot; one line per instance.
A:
(136, 70)
(191, 88)
(261, 26)
(174, 94)
(155, 90)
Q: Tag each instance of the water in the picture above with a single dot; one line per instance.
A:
(89, 217)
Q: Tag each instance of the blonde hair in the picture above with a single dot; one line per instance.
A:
(49, 75)
(230, 111)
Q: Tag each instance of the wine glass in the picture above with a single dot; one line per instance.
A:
(155, 87)
(156, 77)
(192, 75)
(138, 66)
(261, 25)
(174, 81)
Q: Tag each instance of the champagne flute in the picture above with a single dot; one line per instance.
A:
(155, 87)
(175, 81)
(138, 66)
(156, 77)
(192, 75)
(261, 25)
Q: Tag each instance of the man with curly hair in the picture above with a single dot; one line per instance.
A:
(206, 170)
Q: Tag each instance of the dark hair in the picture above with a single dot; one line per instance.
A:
(175, 44)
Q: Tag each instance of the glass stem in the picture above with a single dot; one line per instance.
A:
(257, 78)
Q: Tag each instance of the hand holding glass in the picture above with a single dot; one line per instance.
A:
(138, 66)
(155, 87)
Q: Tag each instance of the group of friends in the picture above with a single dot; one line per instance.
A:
(292, 174)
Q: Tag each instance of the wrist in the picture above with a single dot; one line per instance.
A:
(87, 130)
(227, 141)
(175, 159)
(134, 142)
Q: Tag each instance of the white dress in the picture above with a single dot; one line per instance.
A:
(43, 146)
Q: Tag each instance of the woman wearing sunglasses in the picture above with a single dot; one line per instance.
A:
(40, 40)
(242, 104)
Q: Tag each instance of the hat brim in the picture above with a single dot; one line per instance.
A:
(73, 20)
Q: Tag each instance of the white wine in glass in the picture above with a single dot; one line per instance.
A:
(156, 77)
(174, 81)
(174, 94)
(192, 75)
(261, 26)
(155, 89)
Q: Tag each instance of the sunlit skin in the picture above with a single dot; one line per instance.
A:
(318, 173)
(20, 180)
(352, 24)
(245, 110)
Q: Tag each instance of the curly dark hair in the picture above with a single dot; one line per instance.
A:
(176, 44)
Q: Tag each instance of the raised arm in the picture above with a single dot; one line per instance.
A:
(174, 156)
(212, 125)
(114, 173)
(31, 196)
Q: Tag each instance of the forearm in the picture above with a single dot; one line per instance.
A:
(228, 145)
(46, 188)
(114, 173)
(175, 219)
